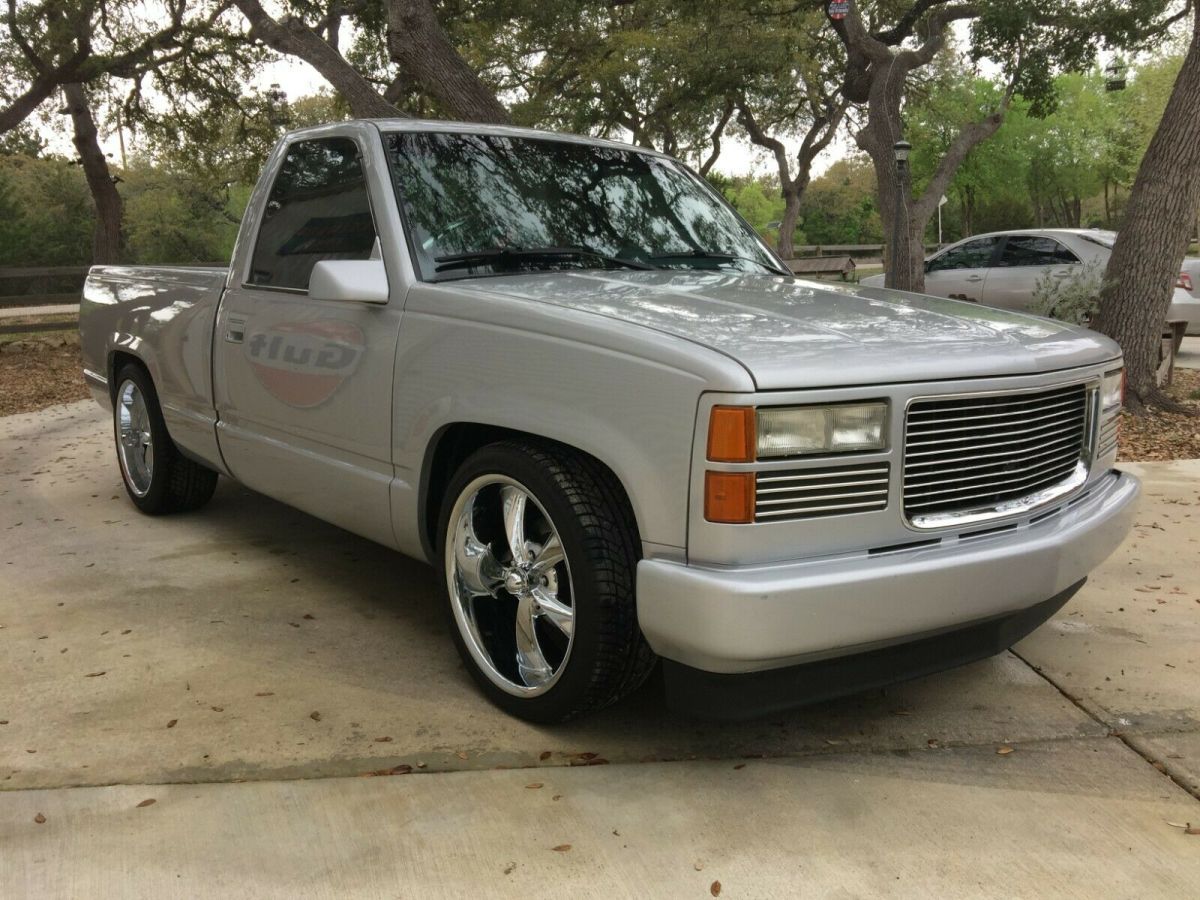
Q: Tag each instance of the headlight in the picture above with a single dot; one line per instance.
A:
(1112, 390)
(801, 430)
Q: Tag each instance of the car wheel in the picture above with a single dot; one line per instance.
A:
(540, 549)
(157, 477)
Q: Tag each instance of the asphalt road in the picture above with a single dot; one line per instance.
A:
(251, 670)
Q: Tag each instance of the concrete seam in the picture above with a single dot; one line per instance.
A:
(1102, 716)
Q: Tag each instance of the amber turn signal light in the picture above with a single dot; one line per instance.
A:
(729, 497)
(731, 434)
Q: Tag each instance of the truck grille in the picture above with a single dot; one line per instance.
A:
(803, 493)
(970, 452)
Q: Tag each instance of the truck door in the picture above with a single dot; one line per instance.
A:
(303, 387)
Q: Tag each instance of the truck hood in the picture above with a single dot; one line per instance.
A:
(790, 333)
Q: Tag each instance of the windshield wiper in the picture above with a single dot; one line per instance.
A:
(706, 254)
(494, 255)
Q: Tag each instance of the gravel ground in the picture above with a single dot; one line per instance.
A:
(1163, 436)
(34, 379)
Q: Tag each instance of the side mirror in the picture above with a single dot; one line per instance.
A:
(364, 280)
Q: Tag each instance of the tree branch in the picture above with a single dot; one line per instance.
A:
(291, 36)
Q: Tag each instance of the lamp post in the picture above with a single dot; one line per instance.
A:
(900, 150)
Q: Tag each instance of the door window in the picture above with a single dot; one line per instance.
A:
(318, 209)
(976, 254)
(1032, 250)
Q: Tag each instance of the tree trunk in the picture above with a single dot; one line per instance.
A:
(106, 239)
(294, 38)
(1153, 239)
(820, 132)
(787, 226)
(417, 43)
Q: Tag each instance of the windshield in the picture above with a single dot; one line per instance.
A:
(482, 204)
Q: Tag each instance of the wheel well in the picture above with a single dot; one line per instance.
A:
(117, 361)
(449, 448)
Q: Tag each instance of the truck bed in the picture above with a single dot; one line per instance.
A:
(164, 315)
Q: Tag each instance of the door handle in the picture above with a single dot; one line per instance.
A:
(1066, 273)
(235, 329)
(974, 278)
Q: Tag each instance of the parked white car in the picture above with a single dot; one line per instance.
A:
(1189, 280)
(1004, 268)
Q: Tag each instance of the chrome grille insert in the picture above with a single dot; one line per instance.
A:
(833, 490)
(1107, 439)
(971, 458)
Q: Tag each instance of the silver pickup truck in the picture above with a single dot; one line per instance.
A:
(565, 372)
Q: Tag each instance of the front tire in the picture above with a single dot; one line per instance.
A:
(157, 477)
(540, 548)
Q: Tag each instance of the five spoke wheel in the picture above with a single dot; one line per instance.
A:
(510, 585)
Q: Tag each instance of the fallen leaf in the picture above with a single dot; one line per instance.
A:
(461, 754)
(383, 740)
(1192, 829)
(94, 674)
(561, 848)
(544, 755)
(534, 785)
(172, 723)
(309, 616)
(1003, 751)
(149, 801)
(740, 766)
(715, 889)
(217, 708)
(588, 755)
(40, 819)
(556, 797)
(315, 716)
(698, 865)
(508, 869)
(265, 694)
(127, 631)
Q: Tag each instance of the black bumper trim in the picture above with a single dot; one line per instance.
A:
(713, 695)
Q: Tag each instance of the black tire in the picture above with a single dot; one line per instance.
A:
(177, 484)
(609, 658)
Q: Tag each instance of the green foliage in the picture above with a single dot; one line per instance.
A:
(172, 216)
(840, 206)
(47, 211)
(757, 207)
(1075, 299)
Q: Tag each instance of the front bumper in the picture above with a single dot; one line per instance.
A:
(753, 618)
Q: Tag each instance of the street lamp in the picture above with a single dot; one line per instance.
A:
(900, 150)
(1114, 74)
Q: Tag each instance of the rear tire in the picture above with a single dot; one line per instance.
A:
(157, 477)
(548, 630)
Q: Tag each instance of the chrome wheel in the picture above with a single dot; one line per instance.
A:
(510, 585)
(135, 441)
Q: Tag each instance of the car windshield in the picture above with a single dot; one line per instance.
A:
(485, 204)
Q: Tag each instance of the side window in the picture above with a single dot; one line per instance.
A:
(317, 209)
(976, 254)
(1031, 250)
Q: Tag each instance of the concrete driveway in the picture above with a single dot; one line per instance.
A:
(288, 697)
